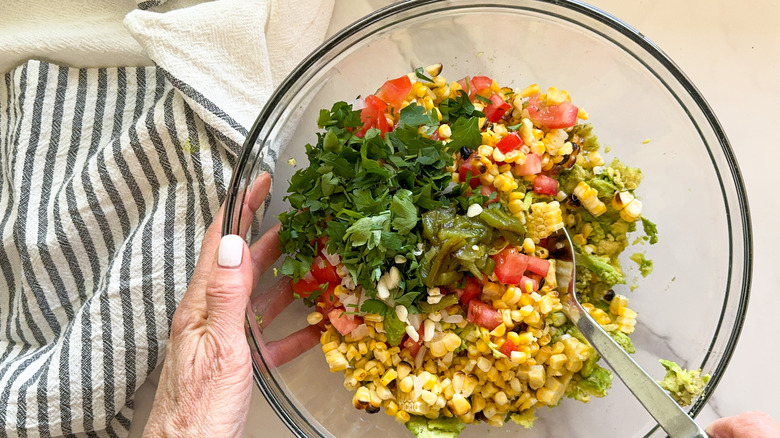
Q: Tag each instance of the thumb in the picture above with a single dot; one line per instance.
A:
(230, 285)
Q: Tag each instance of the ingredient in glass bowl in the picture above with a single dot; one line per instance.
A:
(418, 234)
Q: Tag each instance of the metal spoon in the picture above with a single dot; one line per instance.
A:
(655, 399)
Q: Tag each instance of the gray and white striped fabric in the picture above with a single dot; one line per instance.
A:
(107, 182)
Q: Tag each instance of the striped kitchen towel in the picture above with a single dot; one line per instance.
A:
(108, 179)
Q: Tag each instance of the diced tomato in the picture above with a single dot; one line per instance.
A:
(466, 167)
(395, 91)
(411, 345)
(496, 109)
(509, 143)
(344, 323)
(323, 271)
(528, 284)
(327, 299)
(468, 87)
(562, 115)
(508, 348)
(481, 83)
(472, 290)
(545, 185)
(306, 285)
(483, 315)
(510, 266)
(373, 116)
(538, 266)
(487, 191)
(531, 166)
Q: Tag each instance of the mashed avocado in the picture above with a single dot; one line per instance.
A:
(623, 340)
(441, 427)
(683, 385)
(645, 265)
(525, 418)
(605, 271)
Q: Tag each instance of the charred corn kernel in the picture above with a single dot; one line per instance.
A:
(484, 364)
(428, 397)
(406, 384)
(373, 317)
(388, 377)
(362, 398)
(530, 90)
(338, 290)
(595, 159)
(527, 132)
(501, 399)
(511, 296)
(336, 361)
(459, 405)
(330, 346)
(514, 156)
(621, 199)
(353, 354)
(514, 338)
(403, 369)
(525, 338)
(516, 206)
(445, 131)
(557, 361)
(618, 302)
(491, 289)
(314, 318)
(536, 376)
(486, 179)
(498, 156)
(498, 331)
(582, 114)
(588, 196)
(493, 375)
(505, 168)
(632, 211)
(556, 96)
(451, 341)
(437, 349)
(528, 245)
(391, 407)
(402, 416)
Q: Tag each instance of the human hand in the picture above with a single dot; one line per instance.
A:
(746, 425)
(206, 381)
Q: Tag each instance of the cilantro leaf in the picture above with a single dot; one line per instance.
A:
(465, 134)
(373, 305)
(415, 115)
(420, 73)
(394, 329)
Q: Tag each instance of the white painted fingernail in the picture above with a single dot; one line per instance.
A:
(231, 249)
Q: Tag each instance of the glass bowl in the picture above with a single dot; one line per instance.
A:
(691, 308)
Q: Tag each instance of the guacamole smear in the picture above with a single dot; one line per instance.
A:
(525, 418)
(441, 427)
(683, 385)
(645, 265)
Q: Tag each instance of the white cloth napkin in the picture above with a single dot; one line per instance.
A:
(108, 178)
(236, 56)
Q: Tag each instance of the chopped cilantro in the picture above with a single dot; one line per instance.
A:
(420, 73)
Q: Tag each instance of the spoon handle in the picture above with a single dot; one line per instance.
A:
(658, 402)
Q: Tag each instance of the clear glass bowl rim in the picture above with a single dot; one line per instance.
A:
(245, 166)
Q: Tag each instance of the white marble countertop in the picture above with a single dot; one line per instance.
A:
(730, 52)
(732, 55)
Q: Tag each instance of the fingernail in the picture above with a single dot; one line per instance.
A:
(231, 250)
